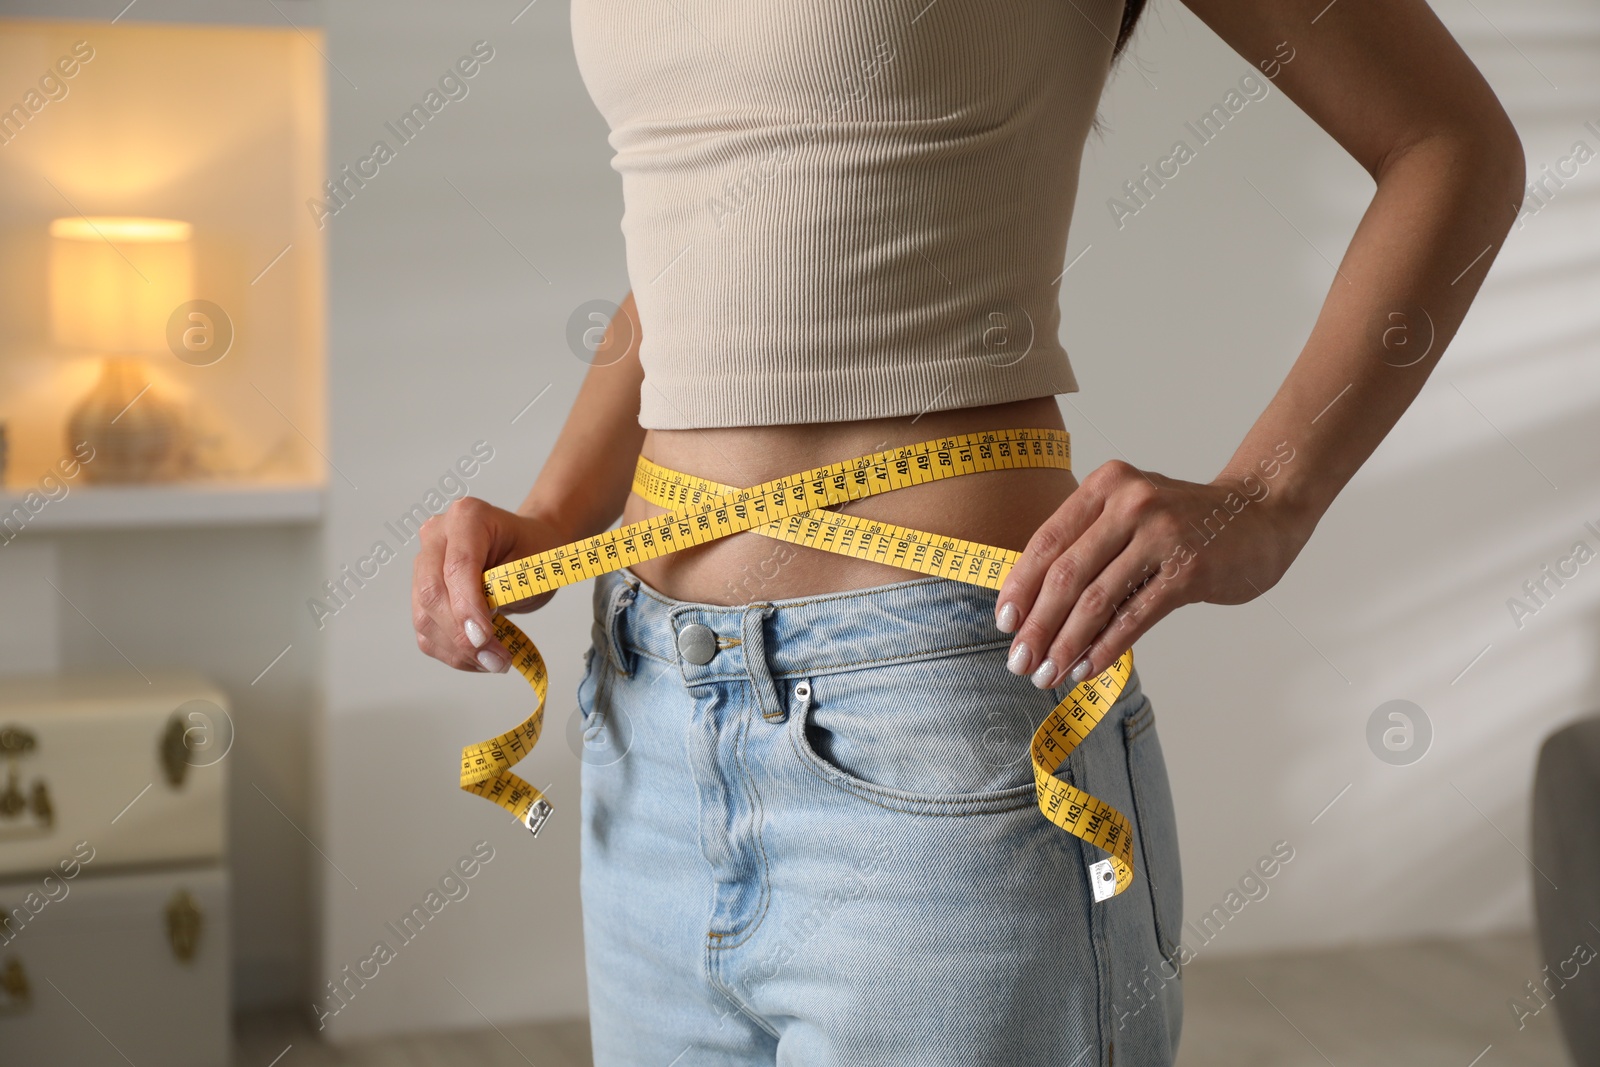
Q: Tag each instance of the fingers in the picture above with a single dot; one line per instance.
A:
(1072, 584)
(1064, 555)
(468, 540)
(446, 592)
(430, 601)
(1109, 610)
(1058, 533)
(1156, 601)
(1094, 576)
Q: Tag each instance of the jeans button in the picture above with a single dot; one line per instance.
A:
(697, 643)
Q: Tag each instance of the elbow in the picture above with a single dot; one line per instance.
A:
(1485, 156)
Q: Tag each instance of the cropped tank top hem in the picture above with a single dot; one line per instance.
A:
(675, 397)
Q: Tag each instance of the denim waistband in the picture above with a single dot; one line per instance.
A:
(824, 633)
(920, 618)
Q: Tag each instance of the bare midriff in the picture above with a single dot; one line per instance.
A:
(1002, 507)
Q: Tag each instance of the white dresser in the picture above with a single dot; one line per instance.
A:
(113, 884)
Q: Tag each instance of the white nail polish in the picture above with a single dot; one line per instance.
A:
(1045, 674)
(1080, 671)
(475, 634)
(491, 662)
(1006, 620)
(1017, 662)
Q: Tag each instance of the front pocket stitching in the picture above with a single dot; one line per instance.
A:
(723, 939)
(994, 801)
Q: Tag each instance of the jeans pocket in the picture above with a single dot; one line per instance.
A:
(937, 731)
(1156, 827)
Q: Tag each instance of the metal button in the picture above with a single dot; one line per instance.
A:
(697, 643)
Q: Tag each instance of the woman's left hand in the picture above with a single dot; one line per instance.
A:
(1125, 549)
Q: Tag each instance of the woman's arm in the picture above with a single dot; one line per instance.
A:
(1389, 84)
(584, 485)
(580, 491)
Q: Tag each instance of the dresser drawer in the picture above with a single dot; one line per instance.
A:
(116, 968)
(136, 769)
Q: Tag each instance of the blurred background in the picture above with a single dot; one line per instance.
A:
(214, 714)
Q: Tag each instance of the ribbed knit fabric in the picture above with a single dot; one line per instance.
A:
(845, 209)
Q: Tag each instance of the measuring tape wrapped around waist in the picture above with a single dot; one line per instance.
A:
(792, 509)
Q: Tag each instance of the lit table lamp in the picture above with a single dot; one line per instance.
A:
(114, 282)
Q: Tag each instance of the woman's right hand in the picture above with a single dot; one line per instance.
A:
(448, 609)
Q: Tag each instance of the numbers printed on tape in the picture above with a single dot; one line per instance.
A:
(794, 509)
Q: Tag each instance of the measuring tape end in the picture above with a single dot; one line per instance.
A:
(537, 814)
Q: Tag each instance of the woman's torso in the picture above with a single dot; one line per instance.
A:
(846, 226)
(1001, 507)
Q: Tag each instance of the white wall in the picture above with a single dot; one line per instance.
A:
(442, 330)
(1181, 325)
(1263, 707)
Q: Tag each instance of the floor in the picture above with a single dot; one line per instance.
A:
(283, 1039)
(1422, 1004)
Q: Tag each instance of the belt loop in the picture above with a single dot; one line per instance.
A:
(622, 595)
(755, 661)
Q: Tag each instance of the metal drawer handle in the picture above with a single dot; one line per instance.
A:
(175, 751)
(14, 741)
(184, 921)
(14, 984)
(13, 801)
(43, 810)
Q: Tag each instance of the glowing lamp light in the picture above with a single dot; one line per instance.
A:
(114, 283)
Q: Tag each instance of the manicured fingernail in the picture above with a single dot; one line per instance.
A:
(491, 662)
(1017, 662)
(1045, 674)
(1080, 671)
(475, 634)
(1006, 620)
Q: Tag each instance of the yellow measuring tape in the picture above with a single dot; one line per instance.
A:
(791, 509)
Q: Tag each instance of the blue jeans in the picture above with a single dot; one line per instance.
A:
(821, 845)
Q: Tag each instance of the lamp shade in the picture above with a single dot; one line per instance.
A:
(115, 280)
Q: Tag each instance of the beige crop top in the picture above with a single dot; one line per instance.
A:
(845, 209)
